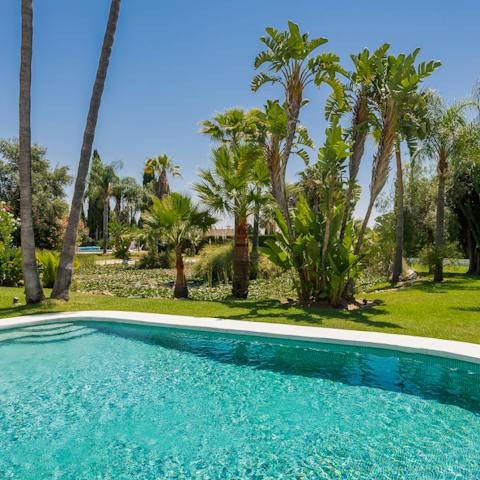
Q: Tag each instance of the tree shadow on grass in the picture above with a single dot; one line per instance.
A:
(453, 282)
(272, 310)
(467, 309)
(25, 310)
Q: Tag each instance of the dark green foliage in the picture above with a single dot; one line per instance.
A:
(49, 206)
(153, 259)
(10, 266)
(341, 263)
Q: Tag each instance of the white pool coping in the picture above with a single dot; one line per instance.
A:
(468, 352)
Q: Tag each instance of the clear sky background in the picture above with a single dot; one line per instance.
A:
(175, 63)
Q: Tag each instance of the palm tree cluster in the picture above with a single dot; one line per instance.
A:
(314, 232)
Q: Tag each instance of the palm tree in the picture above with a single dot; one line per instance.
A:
(235, 127)
(103, 178)
(394, 86)
(288, 61)
(63, 281)
(128, 196)
(156, 171)
(446, 139)
(358, 101)
(412, 126)
(33, 286)
(177, 221)
(227, 188)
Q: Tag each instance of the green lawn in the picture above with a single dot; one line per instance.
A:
(450, 310)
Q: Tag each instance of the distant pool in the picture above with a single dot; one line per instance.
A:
(92, 400)
(89, 249)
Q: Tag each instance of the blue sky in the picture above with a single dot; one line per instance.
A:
(176, 63)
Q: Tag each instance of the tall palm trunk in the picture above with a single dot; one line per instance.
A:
(33, 286)
(241, 264)
(106, 208)
(400, 218)
(360, 118)
(381, 165)
(65, 270)
(255, 242)
(326, 242)
(163, 187)
(440, 218)
(181, 289)
(277, 181)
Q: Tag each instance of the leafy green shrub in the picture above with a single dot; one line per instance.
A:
(85, 261)
(430, 254)
(214, 263)
(267, 269)
(164, 259)
(10, 266)
(48, 262)
(10, 256)
(305, 254)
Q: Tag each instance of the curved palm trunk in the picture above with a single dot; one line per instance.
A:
(400, 220)
(241, 264)
(381, 165)
(440, 218)
(363, 228)
(33, 286)
(106, 208)
(359, 119)
(65, 270)
(180, 290)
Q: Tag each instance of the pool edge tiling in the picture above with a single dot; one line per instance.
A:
(463, 351)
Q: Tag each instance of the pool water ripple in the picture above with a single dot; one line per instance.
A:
(90, 400)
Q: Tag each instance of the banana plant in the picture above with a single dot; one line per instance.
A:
(289, 59)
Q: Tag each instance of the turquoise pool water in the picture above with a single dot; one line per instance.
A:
(107, 401)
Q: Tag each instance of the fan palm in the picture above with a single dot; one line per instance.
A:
(176, 220)
(103, 178)
(128, 195)
(446, 140)
(234, 128)
(156, 170)
(227, 188)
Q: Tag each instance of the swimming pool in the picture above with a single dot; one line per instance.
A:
(90, 400)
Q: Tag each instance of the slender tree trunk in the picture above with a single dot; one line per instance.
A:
(400, 220)
(326, 242)
(381, 164)
(33, 286)
(255, 242)
(181, 289)
(359, 120)
(440, 219)
(241, 264)
(163, 185)
(361, 233)
(63, 281)
(279, 193)
(106, 208)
